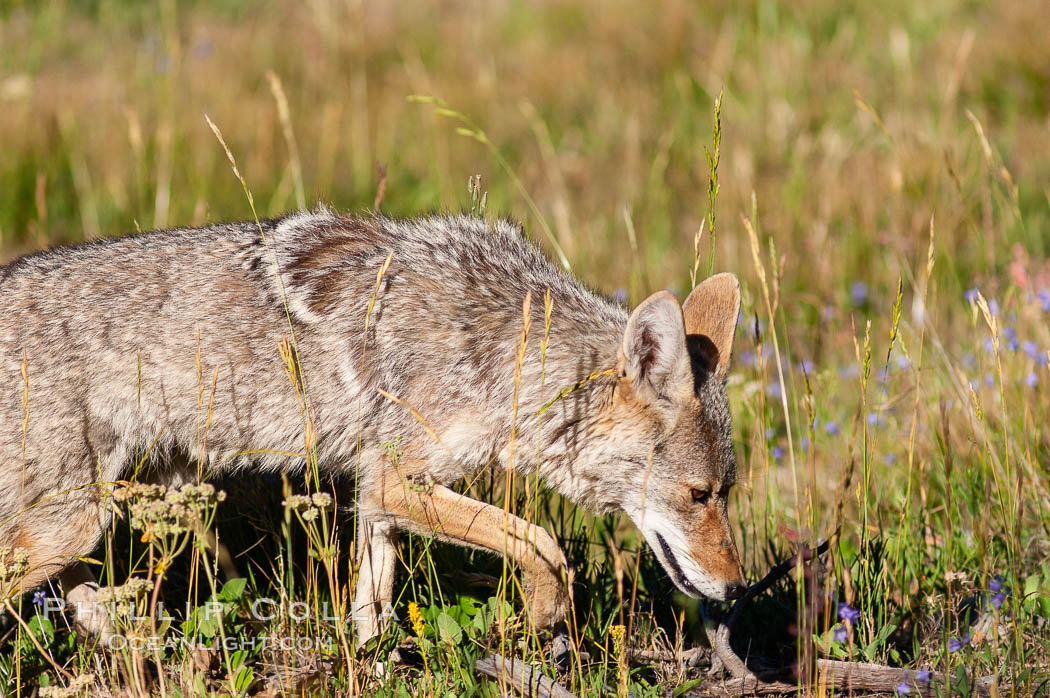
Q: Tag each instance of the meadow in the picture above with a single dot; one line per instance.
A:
(877, 174)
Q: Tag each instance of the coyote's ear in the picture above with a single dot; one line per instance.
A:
(710, 319)
(655, 358)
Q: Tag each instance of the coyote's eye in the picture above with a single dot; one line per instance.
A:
(700, 496)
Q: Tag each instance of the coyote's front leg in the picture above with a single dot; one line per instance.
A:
(435, 510)
(374, 595)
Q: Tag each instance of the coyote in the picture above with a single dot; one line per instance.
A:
(404, 330)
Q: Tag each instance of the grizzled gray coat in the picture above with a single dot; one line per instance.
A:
(106, 349)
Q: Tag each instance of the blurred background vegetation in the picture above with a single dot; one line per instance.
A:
(848, 129)
(847, 120)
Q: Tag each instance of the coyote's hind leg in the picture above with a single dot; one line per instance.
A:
(55, 532)
(80, 588)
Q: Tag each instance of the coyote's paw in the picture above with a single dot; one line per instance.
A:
(547, 597)
(561, 647)
(91, 618)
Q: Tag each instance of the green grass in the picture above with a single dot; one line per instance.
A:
(849, 131)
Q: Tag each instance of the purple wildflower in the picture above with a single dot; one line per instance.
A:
(956, 645)
(922, 676)
(903, 362)
(778, 453)
(840, 634)
(39, 598)
(848, 613)
(1044, 299)
(806, 366)
(989, 380)
(620, 296)
(975, 384)
(903, 688)
(993, 307)
(988, 345)
(773, 389)
(748, 358)
(1031, 348)
(858, 292)
(969, 359)
(1001, 591)
(1010, 333)
(971, 295)
(873, 419)
(1031, 380)
(832, 428)
(890, 458)
(804, 442)
(203, 49)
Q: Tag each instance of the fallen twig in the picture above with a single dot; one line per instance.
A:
(842, 677)
(688, 658)
(722, 653)
(527, 680)
(861, 676)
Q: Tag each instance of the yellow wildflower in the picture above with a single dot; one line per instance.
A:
(618, 633)
(416, 617)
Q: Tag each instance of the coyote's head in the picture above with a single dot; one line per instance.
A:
(670, 426)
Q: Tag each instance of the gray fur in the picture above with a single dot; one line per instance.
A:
(111, 332)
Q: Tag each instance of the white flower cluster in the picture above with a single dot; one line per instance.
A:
(308, 506)
(123, 597)
(163, 512)
(14, 564)
(76, 686)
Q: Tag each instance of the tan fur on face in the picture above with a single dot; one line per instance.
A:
(713, 544)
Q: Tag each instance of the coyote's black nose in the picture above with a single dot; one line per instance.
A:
(734, 591)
